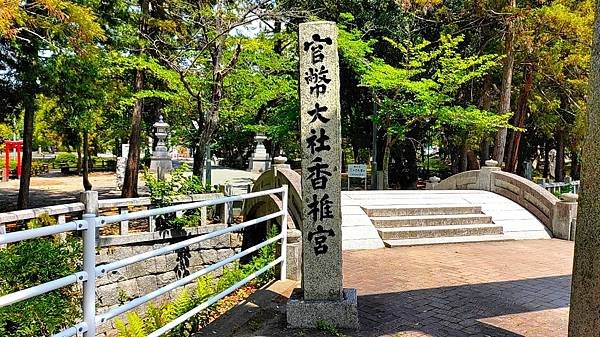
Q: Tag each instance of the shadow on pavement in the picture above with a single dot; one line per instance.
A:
(452, 311)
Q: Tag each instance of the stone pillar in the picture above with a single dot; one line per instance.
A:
(260, 160)
(564, 216)
(161, 160)
(280, 162)
(322, 297)
(432, 183)
(484, 181)
(527, 169)
(294, 255)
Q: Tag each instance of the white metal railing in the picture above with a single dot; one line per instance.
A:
(558, 186)
(89, 226)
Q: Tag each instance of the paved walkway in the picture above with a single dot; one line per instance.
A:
(495, 289)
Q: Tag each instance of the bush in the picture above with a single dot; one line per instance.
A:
(66, 157)
(38, 169)
(163, 191)
(32, 262)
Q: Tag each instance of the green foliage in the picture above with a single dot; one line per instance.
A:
(6, 133)
(424, 86)
(329, 328)
(134, 328)
(65, 157)
(41, 221)
(190, 219)
(177, 183)
(32, 262)
(206, 287)
(38, 168)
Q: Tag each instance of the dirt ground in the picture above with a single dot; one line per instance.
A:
(57, 189)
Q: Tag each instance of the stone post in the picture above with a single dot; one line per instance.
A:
(322, 297)
(279, 162)
(161, 160)
(484, 181)
(90, 201)
(294, 255)
(564, 216)
(432, 183)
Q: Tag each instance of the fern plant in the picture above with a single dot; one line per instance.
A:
(134, 328)
(206, 287)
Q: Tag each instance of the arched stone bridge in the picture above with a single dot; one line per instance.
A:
(482, 205)
(559, 216)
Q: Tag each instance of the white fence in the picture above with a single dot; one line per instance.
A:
(558, 187)
(89, 225)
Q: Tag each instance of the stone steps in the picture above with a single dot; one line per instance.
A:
(444, 240)
(407, 210)
(430, 220)
(408, 225)
(439, 231)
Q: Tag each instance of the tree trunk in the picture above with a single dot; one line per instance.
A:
(130, 181)
(546, 160)
(208, 123)
(29, 115)
(559, 169)
(485, 104)
(79, 159)
(520, 118)
(584, 319)
(86, 162)
(464, 161)
(575, 165)
(387, 150)
(505, 90)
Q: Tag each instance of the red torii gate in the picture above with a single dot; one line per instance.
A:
(8, 146)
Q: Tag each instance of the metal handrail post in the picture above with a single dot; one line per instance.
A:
(89, 267)
(284, 220)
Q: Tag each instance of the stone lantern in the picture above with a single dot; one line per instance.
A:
(161, 159)
(260, 160)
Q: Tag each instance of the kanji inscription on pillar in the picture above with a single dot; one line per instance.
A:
(321, 161)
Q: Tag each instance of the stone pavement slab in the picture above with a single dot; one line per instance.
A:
(495, 289)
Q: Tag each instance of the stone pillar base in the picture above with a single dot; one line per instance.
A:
(307, 314)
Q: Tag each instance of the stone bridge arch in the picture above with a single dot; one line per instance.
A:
(559, 216)
(274, 178)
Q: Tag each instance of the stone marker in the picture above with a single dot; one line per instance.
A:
(322, 297)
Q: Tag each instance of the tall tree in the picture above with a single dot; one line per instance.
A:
(584, 319)
(201, 43)
(27, 29)
(507, 75)
(130, 181)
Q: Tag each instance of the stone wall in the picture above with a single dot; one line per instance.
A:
(125, 284)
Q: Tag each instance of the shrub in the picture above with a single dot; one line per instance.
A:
(66, 157)
(32, 262)
(37, 168)
(163, 191)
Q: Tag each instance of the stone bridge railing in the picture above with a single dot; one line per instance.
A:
(558, 215)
